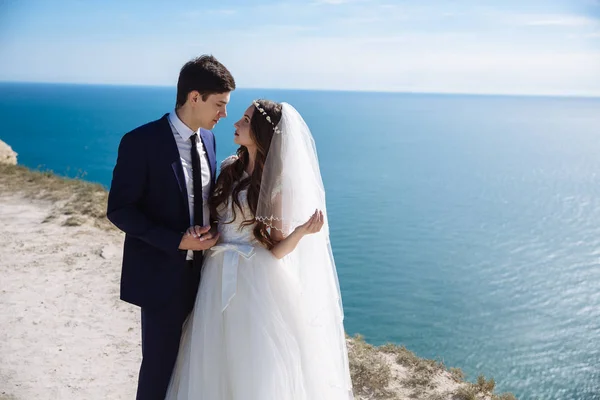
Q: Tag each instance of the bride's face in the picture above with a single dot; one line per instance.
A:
(242, 136)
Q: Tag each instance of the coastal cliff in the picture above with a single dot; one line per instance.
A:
(67, 335)
(7, 155)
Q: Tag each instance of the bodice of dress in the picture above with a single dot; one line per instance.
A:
(234, 232)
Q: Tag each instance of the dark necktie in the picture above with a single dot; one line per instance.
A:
(198, 200)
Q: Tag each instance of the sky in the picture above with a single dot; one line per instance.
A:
(534, 47)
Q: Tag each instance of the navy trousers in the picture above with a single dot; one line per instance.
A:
(161, 334)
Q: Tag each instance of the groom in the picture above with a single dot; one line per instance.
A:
(163, 178)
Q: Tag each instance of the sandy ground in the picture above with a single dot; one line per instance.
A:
(64, 333)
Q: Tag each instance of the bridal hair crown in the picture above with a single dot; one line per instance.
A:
(263, 112)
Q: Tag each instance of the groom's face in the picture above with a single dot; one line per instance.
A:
(208, 112)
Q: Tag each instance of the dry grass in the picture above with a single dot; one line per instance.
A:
(423, 371)
(482, 389)
(372, 377)
(371, 373)
(467, 392)
(504, 396)
(79, 200)
(457, 374)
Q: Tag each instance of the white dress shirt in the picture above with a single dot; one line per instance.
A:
(182, 134)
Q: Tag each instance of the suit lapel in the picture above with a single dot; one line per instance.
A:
(173, 157)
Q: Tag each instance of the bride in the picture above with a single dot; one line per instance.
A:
(268, 320)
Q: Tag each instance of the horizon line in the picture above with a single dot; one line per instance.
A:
(416, 92)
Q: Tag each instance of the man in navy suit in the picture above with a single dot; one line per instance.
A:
(161, 183)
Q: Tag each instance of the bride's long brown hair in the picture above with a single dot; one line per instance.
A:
(231, 180)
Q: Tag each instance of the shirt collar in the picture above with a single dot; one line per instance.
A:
(182, 129)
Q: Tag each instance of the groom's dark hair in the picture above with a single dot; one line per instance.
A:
(206, 75)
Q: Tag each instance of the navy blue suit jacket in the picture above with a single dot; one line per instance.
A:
(148, 201)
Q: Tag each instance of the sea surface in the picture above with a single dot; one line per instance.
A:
(464, 227)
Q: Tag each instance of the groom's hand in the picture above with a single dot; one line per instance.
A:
(198, 238)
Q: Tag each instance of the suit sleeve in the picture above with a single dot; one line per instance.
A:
(126, 191)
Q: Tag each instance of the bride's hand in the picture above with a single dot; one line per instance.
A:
(313, 225)
(198, 238)
(200, 232)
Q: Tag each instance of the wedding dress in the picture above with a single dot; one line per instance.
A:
(264, 328)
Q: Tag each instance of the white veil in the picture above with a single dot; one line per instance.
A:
(291, 190)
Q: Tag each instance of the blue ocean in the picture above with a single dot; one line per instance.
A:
(465, 227)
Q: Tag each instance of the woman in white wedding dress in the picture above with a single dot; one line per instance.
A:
(268, 321)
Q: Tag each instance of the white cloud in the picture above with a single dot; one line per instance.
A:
(222, 11)
(558, 20)
(336, 63)
(332, 2)
(418, 63)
